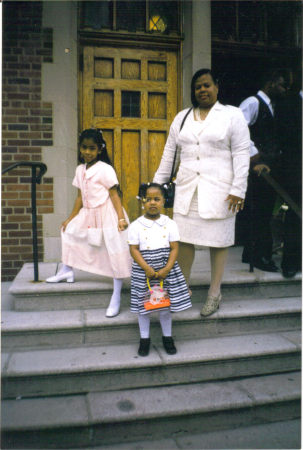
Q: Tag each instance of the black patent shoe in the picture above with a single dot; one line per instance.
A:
(267, 265)
(144, 347)
(169, 345)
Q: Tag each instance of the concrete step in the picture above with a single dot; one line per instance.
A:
(167, 412)
(277, 435)
(49, 329)
(274, 435)
(108, 367)
(92, 291)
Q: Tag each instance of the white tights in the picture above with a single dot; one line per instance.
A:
(165, 321)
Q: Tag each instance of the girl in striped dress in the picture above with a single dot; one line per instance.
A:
(153, 240)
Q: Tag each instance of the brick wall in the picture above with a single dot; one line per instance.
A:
(26, 128)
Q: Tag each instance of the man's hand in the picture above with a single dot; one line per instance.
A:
(259, 168)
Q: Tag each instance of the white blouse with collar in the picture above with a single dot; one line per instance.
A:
(153, 234)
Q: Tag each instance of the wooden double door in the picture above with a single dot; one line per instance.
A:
(131, 94)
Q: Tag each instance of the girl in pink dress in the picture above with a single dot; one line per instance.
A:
(94, 237)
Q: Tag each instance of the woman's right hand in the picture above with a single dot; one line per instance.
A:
(64, 224)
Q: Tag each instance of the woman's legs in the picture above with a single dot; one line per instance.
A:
(114, 305)
(186, 258)
(217, 262)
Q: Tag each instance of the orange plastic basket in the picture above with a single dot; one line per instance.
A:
(156, 297)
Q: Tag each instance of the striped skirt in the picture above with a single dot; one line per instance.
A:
(174, 283)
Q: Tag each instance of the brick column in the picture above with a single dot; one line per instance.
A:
(27, 127)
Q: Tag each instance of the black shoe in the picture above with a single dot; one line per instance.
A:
(169, 345)
(267, 265)
(144, 347)
(289, 272)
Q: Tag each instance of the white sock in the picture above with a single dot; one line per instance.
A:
(144, 323)
(166, 322)
(64, 268)
(116, 295)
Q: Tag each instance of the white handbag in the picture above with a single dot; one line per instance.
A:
(94, 236)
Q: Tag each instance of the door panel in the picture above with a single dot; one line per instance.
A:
(131, 94)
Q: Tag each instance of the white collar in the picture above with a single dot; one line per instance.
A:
(92, 170)
(149, 223)
(264, 97)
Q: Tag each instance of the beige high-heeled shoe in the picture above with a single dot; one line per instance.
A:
(211, 305)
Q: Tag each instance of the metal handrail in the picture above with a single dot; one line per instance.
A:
(36, 178)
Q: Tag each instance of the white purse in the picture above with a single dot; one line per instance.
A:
(94, 236)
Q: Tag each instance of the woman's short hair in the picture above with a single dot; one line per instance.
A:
(197, 75)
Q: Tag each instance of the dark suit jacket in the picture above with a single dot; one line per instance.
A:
(289, 121)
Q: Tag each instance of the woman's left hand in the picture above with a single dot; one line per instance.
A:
(122, 224)
(235, 203)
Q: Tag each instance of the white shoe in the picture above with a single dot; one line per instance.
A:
(113, 308)
(65, 276)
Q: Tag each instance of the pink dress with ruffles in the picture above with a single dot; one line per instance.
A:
(112, 257)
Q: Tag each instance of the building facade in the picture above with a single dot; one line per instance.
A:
(123, 66)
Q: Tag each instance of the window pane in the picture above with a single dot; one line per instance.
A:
(131, 15)
(163, 16)
(280, 25)
(97, 15)
(130, 104)
(223, 13)
(251, 22)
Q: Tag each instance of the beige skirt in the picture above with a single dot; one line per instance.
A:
(205, 232)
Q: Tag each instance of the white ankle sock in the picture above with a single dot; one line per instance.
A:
(116, 295)
(64, 268)
(166, 322)
(144, 324)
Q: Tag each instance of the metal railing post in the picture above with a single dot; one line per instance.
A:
(34, 225)
(35, 179)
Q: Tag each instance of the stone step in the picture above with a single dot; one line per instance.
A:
(50, 329)
(168, 412)
(92, 291)
(108, 367)
(274, 435)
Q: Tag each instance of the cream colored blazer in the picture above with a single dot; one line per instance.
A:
(213, 157)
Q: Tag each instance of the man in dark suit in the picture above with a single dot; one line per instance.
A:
(289, 121)
(259, 112)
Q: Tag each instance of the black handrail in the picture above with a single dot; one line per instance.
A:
(36, 178)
